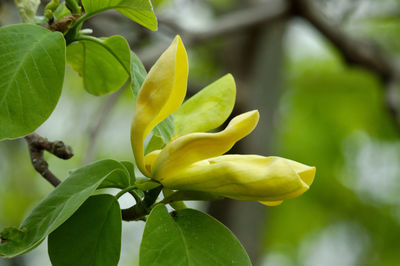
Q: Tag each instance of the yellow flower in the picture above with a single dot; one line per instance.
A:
(195, 161)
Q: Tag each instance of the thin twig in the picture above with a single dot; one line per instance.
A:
(37, 145)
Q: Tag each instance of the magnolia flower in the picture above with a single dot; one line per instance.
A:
(195, 161)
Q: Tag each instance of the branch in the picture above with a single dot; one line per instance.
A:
(229, 24)
(37, 145)
(355, 51)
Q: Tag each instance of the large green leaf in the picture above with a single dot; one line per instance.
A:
(58, 206)
(91, 236)
(140, 11)
(189, 237)
(104, 64)
(208, 109)
(32, 66)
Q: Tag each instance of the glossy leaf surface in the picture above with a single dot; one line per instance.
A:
(32, 65)
(91, 236)
(139, 11)
(104, 64)
(188, 237)
(58, 206)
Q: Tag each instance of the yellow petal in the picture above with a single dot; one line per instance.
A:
(244, 177)
(150, 158)
(272, 203)
(194, 147)
(162, 92)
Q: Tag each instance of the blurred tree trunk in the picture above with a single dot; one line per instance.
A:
(260, 69)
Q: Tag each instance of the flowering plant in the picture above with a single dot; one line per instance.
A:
(171, 141)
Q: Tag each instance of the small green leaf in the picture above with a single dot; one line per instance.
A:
(146, 184)
(91, 236)
(208, 109)
(165, 129)
(120, 181)
(190, 237)
(32, 65)
(131, 169)
(138, 74)
(104, 64)
(160, 135)
(61, 11)
(140, 11)
(58, 206)
(27, 9)
(154, 143)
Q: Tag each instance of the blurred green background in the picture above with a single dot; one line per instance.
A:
(314, 108)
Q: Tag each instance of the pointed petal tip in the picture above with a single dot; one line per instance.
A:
(308, 175)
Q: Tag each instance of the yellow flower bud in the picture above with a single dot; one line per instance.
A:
(195, 161)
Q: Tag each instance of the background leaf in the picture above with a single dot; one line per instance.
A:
(208, 109)
(32, 65)
(140, 11)
(138, 74)
(58, 206)
(92, 236)
(190, 237)
(104, 64)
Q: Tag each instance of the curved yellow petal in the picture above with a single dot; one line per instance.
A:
(162, 92)
(194, 147)
(244, 177)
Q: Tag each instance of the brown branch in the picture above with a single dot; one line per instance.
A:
(37, 145)
(355, 51)
(229, 24)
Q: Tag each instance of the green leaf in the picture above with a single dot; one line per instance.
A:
(91, 236)
(208, 109)
(146, 184)
(131, 169)
(32, 65)
(154, 143)
(27, 9)
(160, 135)
(140, 11)
(104, 64)
(121, 181)
(138, 74)
(58, 206)
(190, 237)
(61, 11)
